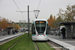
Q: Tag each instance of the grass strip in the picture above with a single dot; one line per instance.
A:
(10, 43)
(25, 44)
(44, 46)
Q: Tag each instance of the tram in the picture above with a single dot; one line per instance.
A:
(40, 30)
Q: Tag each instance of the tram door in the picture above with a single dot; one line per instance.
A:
(33, 30)
(48, 30)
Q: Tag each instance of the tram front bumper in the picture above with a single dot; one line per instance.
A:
(39, 38)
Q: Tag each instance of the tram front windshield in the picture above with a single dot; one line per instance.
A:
(40, 26)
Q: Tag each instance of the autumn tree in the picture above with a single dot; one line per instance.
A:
(63, 16)
(54, 23)
(68, 14)
(16, 27)
(60, 18)
(5, 23)
(50, 21)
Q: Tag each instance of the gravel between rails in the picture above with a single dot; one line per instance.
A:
(54, 46)
(37, 46)
(15, 43)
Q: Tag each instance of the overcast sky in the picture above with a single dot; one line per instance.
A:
(8, 8)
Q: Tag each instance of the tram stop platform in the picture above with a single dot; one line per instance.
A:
(67, 44)
(2, 38)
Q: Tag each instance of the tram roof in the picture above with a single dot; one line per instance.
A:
(40, 20)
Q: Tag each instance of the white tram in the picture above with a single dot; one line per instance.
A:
(40, 30)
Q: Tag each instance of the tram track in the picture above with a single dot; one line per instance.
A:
(51, 44)
(26, 41)
(15, 43)
(56, 47)
(43, 45)
(36, 46)
(24, 44)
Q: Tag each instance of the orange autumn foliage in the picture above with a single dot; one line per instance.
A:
(51, 21)
(5, 23)
(17, 27)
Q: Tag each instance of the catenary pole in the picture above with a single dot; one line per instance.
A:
(28, 20)
(36, 15)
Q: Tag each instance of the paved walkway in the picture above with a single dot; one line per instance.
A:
(9, 36)
(67, 44)
(69, 41)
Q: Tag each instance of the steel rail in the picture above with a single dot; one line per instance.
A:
(15, 43)
(54, 46)
(37, 46)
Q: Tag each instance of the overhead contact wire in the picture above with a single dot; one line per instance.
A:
(18, 8)
(39, 4)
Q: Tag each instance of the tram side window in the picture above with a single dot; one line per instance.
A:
(33, 29)
(47, 32)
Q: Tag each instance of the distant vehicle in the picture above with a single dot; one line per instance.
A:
(21, 30)
(26, 31)
(57, 31)
(39, 30)
(54, 32)
(51, 32)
